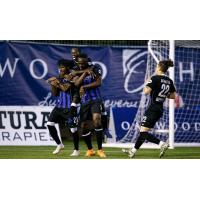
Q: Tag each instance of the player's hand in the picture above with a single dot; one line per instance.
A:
(82, 91)
(51, 79)
(55, 83)
(69, 77)
(90, 72)
(74, 73)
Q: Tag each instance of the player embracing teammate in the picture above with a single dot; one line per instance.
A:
(89, 82)
(66, 94)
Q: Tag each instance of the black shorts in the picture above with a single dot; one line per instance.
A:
(151, 116)
(59, 115)
(87, 110)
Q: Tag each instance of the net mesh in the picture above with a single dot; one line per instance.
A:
(187, 102)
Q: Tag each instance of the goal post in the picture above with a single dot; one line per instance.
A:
(168, 52)
(157, 50)
(180, 123)
(171, 101)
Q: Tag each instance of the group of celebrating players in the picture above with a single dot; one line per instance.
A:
(79, 104)
(78, 99)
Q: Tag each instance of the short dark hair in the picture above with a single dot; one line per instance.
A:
(83, 55)
(165, 64)
(65, 63)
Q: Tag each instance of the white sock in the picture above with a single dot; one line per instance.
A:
(161, 143)
(134, 150)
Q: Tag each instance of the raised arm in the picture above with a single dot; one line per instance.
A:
(79, 80)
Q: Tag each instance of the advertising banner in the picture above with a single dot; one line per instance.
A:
(25, 125)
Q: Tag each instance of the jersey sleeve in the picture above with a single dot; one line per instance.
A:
(172, 88)
(151, 83)
(97, 70)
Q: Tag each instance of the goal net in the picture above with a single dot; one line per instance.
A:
(180, 123)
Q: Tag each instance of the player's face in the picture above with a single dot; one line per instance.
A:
(82, 63)
(62, 70)
(74, 53)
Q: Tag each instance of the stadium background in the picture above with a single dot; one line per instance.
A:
(121, 51)
(13, 87)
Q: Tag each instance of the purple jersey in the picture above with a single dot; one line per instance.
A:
(64, 99)
(93, 93)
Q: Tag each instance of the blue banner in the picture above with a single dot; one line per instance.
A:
(24, 68)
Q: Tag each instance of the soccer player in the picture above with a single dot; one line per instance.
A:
(62, 87)
(159, 87)
(91, 105)
(75, 52)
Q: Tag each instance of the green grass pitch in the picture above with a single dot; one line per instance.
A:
(45, 152)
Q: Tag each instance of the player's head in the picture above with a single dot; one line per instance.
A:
(75, 53)
(164, 65)
(64, 66)
(83, 61)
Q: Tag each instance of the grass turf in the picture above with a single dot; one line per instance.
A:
(45, 152)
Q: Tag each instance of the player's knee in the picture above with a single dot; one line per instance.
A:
(84, 126)
(97, 121)
(73, 130)
(50, 123)
(86, 133)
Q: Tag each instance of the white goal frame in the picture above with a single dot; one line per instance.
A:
(171, 106)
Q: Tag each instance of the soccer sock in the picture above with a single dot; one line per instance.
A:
(99, 135)
(104, 121)
(153, 139)
(141, 139)
(76, 140)
(87, 139)
(54, 134)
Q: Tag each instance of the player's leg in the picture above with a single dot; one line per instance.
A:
(151, 118)
(104, 121)
(75, 137)
(87, 137)
(74, 129)
(98, 129)
(73, 126)
(71, 121)
(85, 118)
(53, 119)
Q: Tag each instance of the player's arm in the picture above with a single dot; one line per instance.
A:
(64, 87)
(147, 90)
(172, 92)
(53, 81)
(80, 72)
(94, 84)
(56, 86)
(172, 95)
(149, 85)
(55, 91)
(79, 80)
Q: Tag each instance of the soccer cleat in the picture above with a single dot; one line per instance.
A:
(130, 152)
(101, 153)
(125, 151)
(90, 152)
(75, 153)
(58, 149)
(163, 149)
